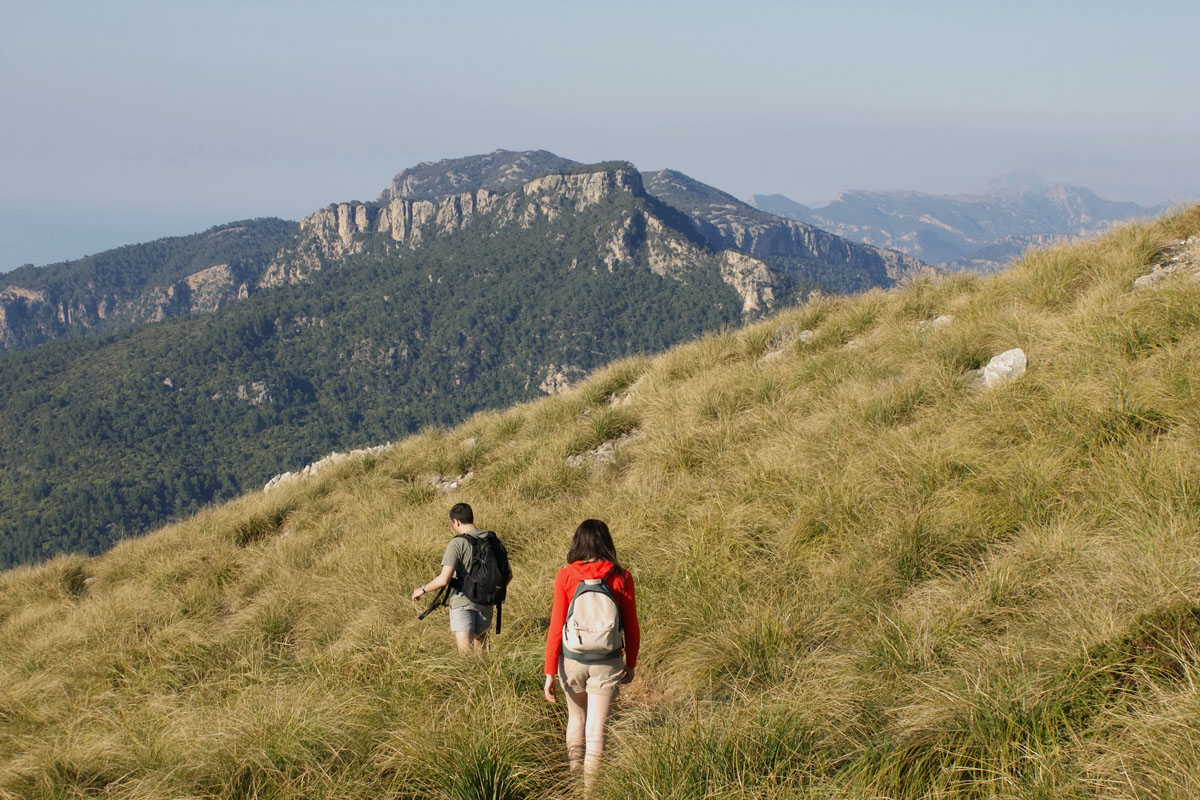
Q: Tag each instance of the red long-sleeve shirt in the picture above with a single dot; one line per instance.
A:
(564, 589)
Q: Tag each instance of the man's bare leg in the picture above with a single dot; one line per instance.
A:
(465, 641)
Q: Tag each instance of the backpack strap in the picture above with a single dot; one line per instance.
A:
(456, 579)
(492, 540)
(440, 599)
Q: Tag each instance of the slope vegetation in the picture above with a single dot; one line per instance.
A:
(860, 574)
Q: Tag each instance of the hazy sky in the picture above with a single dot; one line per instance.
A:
(125, 121)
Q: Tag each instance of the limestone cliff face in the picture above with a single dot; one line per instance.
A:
(637, 237)
(29, 317)
(22, 310)
(203, 291)
(795, 240)
(335, 232)
(753, 280)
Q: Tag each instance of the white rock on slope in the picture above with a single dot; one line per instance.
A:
(1006, 367)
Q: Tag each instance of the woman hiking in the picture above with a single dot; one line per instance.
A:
(592, 645)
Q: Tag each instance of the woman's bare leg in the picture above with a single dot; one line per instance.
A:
(597, 718)
(577, 708)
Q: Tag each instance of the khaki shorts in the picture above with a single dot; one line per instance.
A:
(598, 677)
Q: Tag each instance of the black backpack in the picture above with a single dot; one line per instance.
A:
(486, 582)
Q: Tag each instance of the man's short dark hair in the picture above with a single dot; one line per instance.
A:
(461, 512)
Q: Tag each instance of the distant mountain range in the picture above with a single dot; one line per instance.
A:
(970, 231)
(144, 382)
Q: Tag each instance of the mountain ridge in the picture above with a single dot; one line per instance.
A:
(725, 221)
(981, 230)
(437, 198)
(793, 249)
(139, 283)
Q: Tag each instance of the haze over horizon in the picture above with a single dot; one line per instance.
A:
(134, 120)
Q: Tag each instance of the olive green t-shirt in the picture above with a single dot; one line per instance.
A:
(458, 556)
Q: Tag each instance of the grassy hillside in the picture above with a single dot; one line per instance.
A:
(859, 575)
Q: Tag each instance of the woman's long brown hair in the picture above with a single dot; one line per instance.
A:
(593, 542)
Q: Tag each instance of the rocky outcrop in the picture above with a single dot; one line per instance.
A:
(751, 279)
(10, 293)
(201, 292)
(789, 246)
(254, 393)
(1182, 256)
(601, 455)
(550, 195)
(1003, 368)
(324, 463)
(935, 324)
(559, 379)
(215, 287)
(137, 284)
(24, 318)
(446, 483)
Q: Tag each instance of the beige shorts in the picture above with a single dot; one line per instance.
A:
(598, 677)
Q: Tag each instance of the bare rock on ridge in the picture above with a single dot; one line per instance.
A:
(1179, 256)
(604, 453)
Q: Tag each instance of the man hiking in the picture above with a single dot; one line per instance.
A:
(475, 568)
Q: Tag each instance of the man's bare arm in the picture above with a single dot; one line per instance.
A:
(437, 583)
